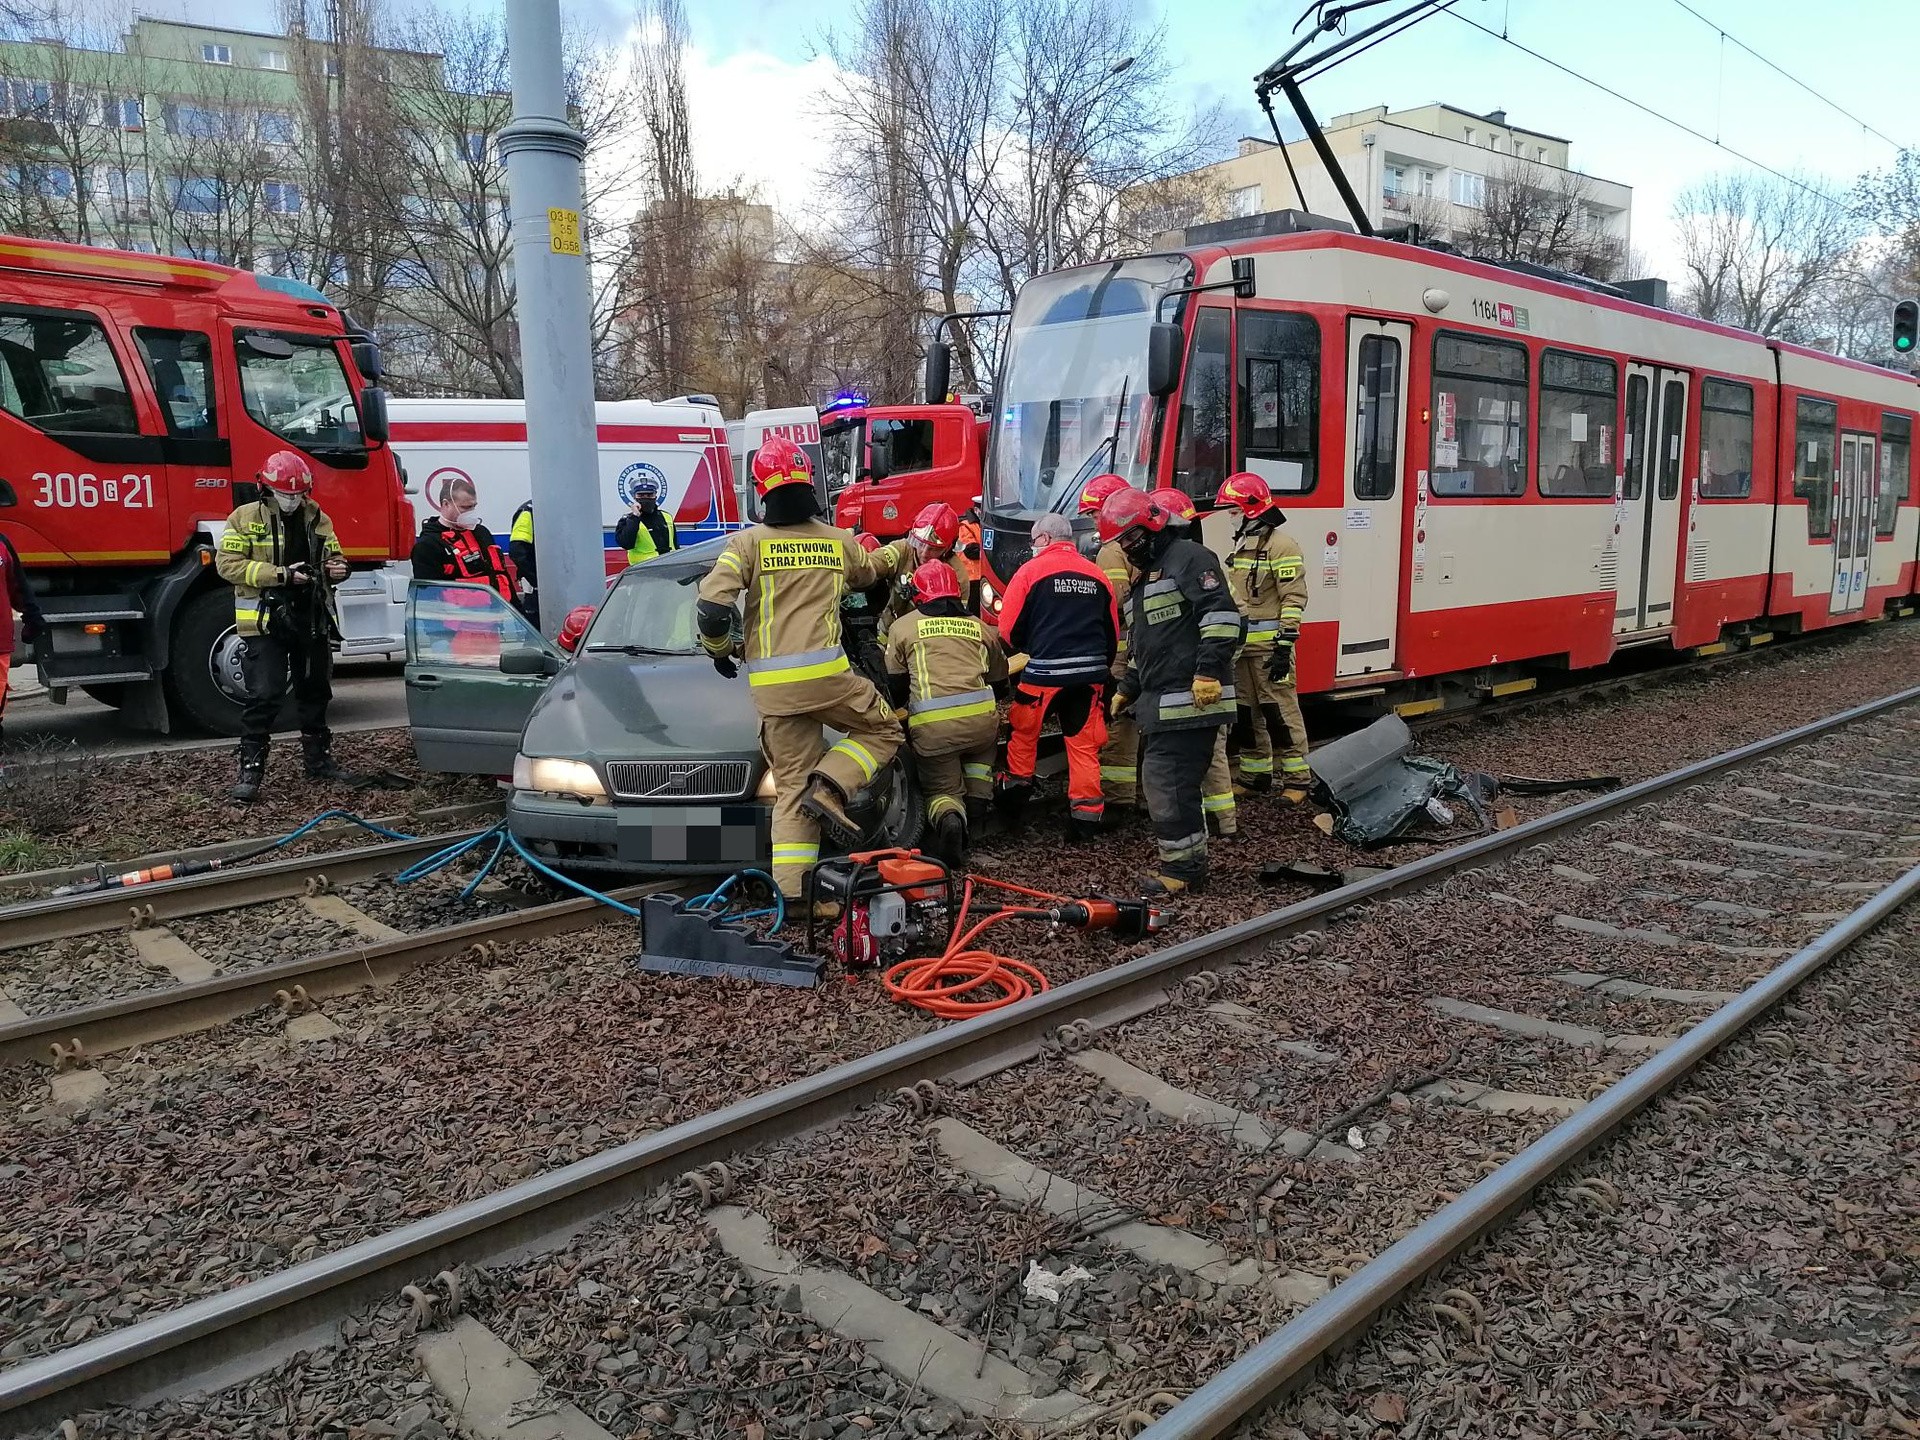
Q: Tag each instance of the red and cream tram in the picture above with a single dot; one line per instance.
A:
(1490, 472)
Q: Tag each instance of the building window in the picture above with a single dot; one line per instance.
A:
(128, 188)
(473, 145)
(131, 113)
(1206, 406)
(330, 67)
(282, 197)
(217, 54)
(1396, 181)
(1244, 201)
(1479, 416)
(29, 97)
(1726, 440)
(58, 373)
(197, 122)
(1469, 135)
(197, 195)
(275, 127)
(1429, 183)
(46, 182)
(409, 275)
(1280, 397)
(1896, 469)
(1376, 459)
(1469, 189)
(1540, 152)
(1815, 422)
(1579, 404)
(273, 60)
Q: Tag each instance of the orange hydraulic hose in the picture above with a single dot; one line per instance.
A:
(960, 982)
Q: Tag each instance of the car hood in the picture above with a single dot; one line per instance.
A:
(609, 706)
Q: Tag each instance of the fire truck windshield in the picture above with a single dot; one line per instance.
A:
(1074, 400)
(296, 386)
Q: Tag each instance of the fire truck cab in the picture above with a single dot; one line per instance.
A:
(139, 396)
(884, 462)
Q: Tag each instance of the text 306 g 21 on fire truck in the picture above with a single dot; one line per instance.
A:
(139, 395)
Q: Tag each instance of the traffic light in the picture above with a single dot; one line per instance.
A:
(1906, 326)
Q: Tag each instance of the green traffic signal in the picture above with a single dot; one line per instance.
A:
(1906, 325)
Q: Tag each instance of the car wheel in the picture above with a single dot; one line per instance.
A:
(905, 816)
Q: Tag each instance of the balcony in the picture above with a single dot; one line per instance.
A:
(1398, 202)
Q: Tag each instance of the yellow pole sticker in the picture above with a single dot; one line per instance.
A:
(563, 231)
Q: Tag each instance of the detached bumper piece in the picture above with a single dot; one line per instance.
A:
(679, 941)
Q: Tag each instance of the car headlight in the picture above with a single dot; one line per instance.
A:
(555, 776)
(768, 790)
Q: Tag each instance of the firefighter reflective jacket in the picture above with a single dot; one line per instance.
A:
(1059, 608)
(1112, 561)
(446, 552)
(253, 557)
(1268, 575)
(950, 663)
(1182, 625)
(793, 577)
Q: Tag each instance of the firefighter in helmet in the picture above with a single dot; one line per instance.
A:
(1183, 631)
(1059, 612)
(1216, 791)
(280, 555)
(934, 535)
(1269, 579)
(1120, 756)
(792, 570)
(944, 665)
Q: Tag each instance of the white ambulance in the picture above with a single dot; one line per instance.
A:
(677, 450)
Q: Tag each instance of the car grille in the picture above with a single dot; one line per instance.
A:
(679, 779)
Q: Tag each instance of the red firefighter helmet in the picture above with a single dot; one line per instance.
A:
(1097, 491)
(935, 580)
(1247, 492)
(1177, 503)
(573, 627)
(286, 473)
(780, 462)
(1129, 510)
(936, 528)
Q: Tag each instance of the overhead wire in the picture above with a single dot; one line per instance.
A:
(1786, 74)
(1660, 115)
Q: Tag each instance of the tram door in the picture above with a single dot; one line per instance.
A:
(1855, 502)
(1370, 519)
(1647, 510)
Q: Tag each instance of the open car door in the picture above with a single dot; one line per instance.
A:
(475, 667)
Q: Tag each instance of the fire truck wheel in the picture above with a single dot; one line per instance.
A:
(203, 675)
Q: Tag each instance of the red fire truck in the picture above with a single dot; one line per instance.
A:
(139, 395)
(884, 462)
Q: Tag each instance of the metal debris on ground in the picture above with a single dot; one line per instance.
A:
(682, 940)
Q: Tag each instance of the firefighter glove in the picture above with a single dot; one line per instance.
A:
(1206, 690)
(1119, 705)
(1280, 662)
(724, 664)
(301, 574)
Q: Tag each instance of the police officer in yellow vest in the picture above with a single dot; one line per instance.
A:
(645, 531)
(792, 570)
(280, 555)
(520, 550)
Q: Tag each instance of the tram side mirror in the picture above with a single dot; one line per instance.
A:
(373, 412)
(1243, 287)
(1163, 358)
(368, 360)
(939, 371)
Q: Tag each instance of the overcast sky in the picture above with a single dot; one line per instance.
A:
(757, 74)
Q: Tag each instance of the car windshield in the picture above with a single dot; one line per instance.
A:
(302, 395)
(840, 455)
(650, 612)
(1074, 403)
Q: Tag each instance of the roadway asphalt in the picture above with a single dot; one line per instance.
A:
(367, 695)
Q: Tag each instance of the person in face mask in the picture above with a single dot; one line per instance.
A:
(280, 555)
(454, 545)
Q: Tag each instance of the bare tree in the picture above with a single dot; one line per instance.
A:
(64, 129)
(1757, 250)
(1544, 217)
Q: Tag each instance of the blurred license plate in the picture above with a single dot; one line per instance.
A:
(722, 836)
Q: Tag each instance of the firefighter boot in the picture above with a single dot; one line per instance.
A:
(316, 746)
(1010, 795)
(253, 769)
(841, 819)
(950, 839)
(1161, 886)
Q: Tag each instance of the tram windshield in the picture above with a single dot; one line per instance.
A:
(1073, 402)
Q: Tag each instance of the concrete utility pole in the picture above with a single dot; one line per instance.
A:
(544, 154)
